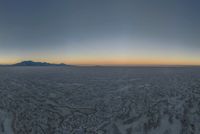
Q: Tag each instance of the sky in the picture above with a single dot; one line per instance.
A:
(100, 32)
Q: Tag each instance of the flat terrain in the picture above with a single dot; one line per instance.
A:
(99, 100)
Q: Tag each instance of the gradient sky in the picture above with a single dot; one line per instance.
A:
(107, 32)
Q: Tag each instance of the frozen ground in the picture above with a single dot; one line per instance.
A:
(62, 100)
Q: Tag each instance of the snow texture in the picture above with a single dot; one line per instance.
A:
(99, 100)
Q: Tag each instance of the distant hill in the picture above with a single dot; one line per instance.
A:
(32, 63)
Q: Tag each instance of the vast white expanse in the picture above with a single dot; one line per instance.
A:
(99, 100)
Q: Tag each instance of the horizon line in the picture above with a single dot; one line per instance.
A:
(114, 65)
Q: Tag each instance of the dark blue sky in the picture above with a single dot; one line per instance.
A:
(100, 31)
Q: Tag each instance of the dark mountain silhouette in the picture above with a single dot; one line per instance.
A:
(32, 63)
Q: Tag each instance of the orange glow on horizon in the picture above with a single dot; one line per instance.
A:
(142, 61)
(109, 61)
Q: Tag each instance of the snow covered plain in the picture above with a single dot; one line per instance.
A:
(99, 100)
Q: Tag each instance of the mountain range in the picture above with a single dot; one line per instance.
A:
(32, 63)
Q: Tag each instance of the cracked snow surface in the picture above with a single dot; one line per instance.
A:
(99, 100)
